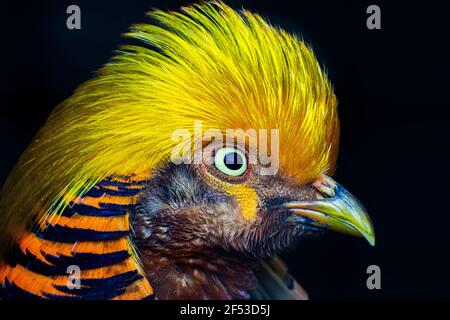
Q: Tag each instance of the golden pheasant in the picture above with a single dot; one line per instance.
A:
(102, 190)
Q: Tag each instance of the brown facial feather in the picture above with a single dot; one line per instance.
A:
(183, 259)
(194, 242)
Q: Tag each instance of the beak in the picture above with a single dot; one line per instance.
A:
(339, 210)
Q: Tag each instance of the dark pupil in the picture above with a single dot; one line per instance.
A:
(233, 161)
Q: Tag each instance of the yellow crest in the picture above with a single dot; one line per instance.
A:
(227, 68)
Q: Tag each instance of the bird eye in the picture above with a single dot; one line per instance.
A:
(230, 161)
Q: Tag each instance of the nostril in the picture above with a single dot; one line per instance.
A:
(325, 187)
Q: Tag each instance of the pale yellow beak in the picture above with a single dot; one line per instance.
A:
(339, 210)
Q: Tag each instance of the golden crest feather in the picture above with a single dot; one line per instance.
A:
(230, 69)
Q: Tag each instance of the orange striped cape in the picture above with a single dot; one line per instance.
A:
(91, 238)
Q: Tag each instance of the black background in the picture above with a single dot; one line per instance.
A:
(393, 88)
